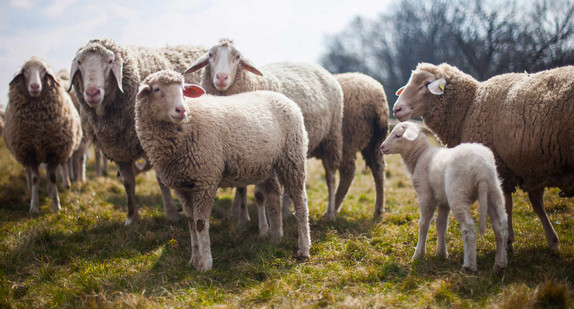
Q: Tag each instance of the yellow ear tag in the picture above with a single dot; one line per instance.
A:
(441, 87)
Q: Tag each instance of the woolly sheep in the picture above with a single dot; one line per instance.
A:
(106, 76)
(452, 179)
(365, 126)
(42, 126)
(525, 119)
(315, 90)
(201, 144)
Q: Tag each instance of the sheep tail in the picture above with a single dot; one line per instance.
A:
(483, 201)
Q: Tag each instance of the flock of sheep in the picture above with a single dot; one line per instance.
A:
(209, 118)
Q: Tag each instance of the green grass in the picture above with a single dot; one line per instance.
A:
(84, 256)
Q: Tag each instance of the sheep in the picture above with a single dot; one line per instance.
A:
(452, 179)
(523, 118)
(315, 90)
(106, 76)
(365, 126)
(201, 144)
(42, 126)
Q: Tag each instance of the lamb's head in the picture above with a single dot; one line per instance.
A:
(162, 94)
(426, 81)
(402, 138)
(34, 75)
(224, 60)
(99, 69)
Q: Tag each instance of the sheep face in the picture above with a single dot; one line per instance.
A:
(99, 71)
(224, 60)
(413, 97)
(400, 138)
(33, 74)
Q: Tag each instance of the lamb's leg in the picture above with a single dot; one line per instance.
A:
(462, 212)
(286, 205)
(29, 179)
(129, 181)
(202, 203)
(499, 226)
(299, 195)
(171, 212)
(262, 217)
(185, 199)
(34, 183)
(427, 210)
(330, 169)
(441, 227)
(239, 207)
(374, 160)
(65, 174)
(537, 199)
(53, 186)
(508, 208)
(270, 193)
(346, 173)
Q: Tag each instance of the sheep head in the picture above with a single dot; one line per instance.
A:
(224, 59)
(33, 75)
(163, 93)
(99, 70)
(425, 81)
(402, 135)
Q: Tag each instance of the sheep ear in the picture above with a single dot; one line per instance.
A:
(192, 91)
(117, 69)
(437, 87)
(17, 78)
(246, 64)
(398, 93)
(53, 77)
(410, 134)
(199, 64)
(73, 72)
(144, 91)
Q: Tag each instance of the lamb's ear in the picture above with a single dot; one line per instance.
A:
(398, 93)
(53, 77)
(437, 87)
(410, 134)
(17, 78)
(199, 64)
(246, 64)
(144, 91)
(73, 72)
(117, 70)
(192, 91)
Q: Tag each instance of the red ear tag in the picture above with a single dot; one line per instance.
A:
(398, 93)
(193, 91)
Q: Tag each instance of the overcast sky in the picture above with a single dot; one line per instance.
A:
(266, 30)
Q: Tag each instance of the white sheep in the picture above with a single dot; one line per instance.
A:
(525, 119)
(106, 76)
(201, 144)
(315, 90)
(452, 179)
(42, 126)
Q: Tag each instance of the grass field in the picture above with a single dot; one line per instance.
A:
(84, 256)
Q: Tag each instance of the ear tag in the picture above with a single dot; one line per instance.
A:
(398, 93)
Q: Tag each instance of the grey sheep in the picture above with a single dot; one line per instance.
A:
(524, 118)
(106, 76)
(365, 126)
(452, 179)
(42, 126)
(208, 142)
(315, 90)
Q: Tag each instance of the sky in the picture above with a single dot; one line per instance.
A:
(266, 31)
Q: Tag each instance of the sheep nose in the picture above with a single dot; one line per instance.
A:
(221, 76)
(35, 87)
(92, 91)
(180, 111)
(397, 109)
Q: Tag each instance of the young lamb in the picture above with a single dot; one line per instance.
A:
(201, 144)
(42, 126)
(452, 179)
(315, 90)
(365, 126)
(106, 76)
(525, 119)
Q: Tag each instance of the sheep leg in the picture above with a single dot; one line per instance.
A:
(537, 200)
(29, 179)
(462, 212)
(129, 181)
(202, 203)
(330, 169)
(375, 162)
(347, 173)
(508, 208)
(171, 212)
(299, 197)
(53, 187)
(33, 184)
(65, 174)
(499, 226)
(286, 205)
(239, 208)
(441, 227)
(260, 201)
(427, 210)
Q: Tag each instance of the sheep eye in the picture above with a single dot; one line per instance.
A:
(156, 89)
(111, 61)
(237, 57)
(397, 136)
(210, 55)
(79, 62)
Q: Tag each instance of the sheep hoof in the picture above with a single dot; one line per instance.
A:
(417, 256)
(132, 221)
(200, 265)
(173, 218)
(499, 269)
(469, 270)
(302, 259)
(329, 216)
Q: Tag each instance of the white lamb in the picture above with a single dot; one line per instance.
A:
(452, 179)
